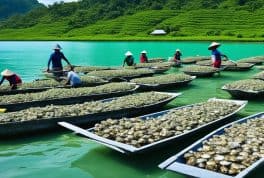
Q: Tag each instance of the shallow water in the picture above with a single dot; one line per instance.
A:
(65, 155)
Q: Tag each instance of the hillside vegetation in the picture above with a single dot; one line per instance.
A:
(12, 7)
(135, 19)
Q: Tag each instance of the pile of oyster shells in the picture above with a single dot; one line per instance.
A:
(162, 79)
(121, 73)
(238, 148)
(86, 80)
(86, 69)
(4, 88)
(57, 93)
(138, 132)
(155, 65)
(209, 63)
(194, 59)
(259, 76)
(200, 69)
(40, 84)
(246, 85)
(261, 67)
(52, 111)
(156, 59)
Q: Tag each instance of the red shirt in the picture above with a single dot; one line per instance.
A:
(143, 59)
(14, 79)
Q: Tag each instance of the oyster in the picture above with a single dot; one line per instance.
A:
(246, 85)
(176, 122)
(64, 111)
(259, 75)
(234, 159)
(162, 79)
(57, 93)
(121, 73)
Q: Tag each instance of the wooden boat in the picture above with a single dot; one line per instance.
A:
(44, 125)
(244, 94)
(177, 164)
(129, 149)
(35, 90)
(65, 101)
(163, 86)
(240, 67)
(201, 74)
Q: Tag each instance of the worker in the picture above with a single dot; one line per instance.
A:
(129, 60)
(216, 55)
(55, 59)
(177, 57)
(143, 57)
(73, 78)
(14, 79)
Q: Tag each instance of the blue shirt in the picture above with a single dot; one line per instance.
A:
(74, 78)
(216, 55)
(55, 59)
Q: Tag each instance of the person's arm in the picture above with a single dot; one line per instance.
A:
(124, 62)
(49, 63)
(65, 59)
(224, 56)
(2, 80)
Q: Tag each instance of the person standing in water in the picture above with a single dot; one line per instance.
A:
(216, 55)
(177, 57)
(55, 59)
(143, 57)
(129, 59)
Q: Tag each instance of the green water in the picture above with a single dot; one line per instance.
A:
(65, 155)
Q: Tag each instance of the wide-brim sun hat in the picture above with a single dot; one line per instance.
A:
(144, 52)
(128, 53)
(178, 50)
(7, 73)
(213, 44)
(57, 47)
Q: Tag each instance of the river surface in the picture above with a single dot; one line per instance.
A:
(66, 155)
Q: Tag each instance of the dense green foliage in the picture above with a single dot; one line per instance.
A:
(11, 7)
(119, 19)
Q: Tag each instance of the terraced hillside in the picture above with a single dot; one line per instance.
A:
(219, 24)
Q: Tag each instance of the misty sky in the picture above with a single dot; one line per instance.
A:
(47, 2)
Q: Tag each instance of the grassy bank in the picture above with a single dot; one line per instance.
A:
(207, 25)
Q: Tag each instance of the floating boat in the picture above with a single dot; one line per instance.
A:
(129, 149)
(163, 86)
(65, 101)
(240, 67)
(22, 91)
(259, 76)
(160, 70)
(244, 94)
(258, 60)
(177, 162)
(260, 67)
(42, 125)
(202, 74)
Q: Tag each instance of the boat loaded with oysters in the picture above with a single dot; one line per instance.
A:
(134, 135)
(232, 151)
(38, 119)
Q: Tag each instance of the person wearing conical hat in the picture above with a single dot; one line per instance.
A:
(13, 78)
(177, 57)
(129, 59)
(216, 55)
(55, 59)
(143, 57)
